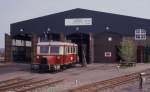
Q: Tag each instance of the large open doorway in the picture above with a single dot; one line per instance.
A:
(21, 48)
(140, 54)
(143, 54)
(147, 54)
(82, 40)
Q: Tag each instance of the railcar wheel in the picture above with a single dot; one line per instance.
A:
(57, 67)
(35, 68)
(63, 67)
(73, 64)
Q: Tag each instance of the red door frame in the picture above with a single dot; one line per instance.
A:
(140, 54)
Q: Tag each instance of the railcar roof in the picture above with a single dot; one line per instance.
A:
(56, 43)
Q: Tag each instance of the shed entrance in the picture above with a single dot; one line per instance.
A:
(83, 45)
(21, 48)
(143, 54)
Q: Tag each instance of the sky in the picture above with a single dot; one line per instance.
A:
(12, 11)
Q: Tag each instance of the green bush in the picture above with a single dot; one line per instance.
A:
(127, 51)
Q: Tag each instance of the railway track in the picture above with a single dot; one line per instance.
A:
(25, 85)
(107, 84)
(10, 82)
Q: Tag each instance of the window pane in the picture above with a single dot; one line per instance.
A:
(69, 49)
(140, 34)
(73, 49)
(28, 43)
(143, 31)
(137, 31)
(66, 51)
(143, 36)
(54, 49)
(44, 49)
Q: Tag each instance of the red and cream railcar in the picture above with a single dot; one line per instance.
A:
(54, 55)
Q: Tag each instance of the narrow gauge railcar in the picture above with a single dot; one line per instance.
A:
(55, 55)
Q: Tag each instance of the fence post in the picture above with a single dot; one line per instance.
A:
(141, 75)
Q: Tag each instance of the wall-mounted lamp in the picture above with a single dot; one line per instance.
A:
(77, 28)
(107, 27)
(21, 30)
(109, 39)
(48, 29)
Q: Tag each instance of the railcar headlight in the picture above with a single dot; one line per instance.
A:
(71, 58)
(37, 57)
(58, 57)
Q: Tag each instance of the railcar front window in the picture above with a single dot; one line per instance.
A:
(54, 50)
(44, 49)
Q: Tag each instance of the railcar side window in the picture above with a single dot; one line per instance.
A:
(44, 49)
(68, 49)
(74, 50)
(61, 50)
(54, 49)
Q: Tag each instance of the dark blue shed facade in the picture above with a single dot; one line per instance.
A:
(118, 23)
(104, 25)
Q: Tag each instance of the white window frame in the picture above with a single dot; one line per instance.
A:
(140, 34)
(108, 54)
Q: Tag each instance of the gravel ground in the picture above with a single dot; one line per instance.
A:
(76, 76)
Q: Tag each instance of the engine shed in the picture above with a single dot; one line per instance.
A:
(96, 33)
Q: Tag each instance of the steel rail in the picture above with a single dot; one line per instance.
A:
(39, 85)
(13, 82)
(110, 83)
(8, 80)
(16, 84)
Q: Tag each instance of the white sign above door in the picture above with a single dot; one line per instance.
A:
(78, 21)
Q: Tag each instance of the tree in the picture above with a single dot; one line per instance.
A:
(127, 51)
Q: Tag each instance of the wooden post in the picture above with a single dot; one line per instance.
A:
(33, 49)
(140, 81)
(91, 48)
(8, 48)
(62, 37)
